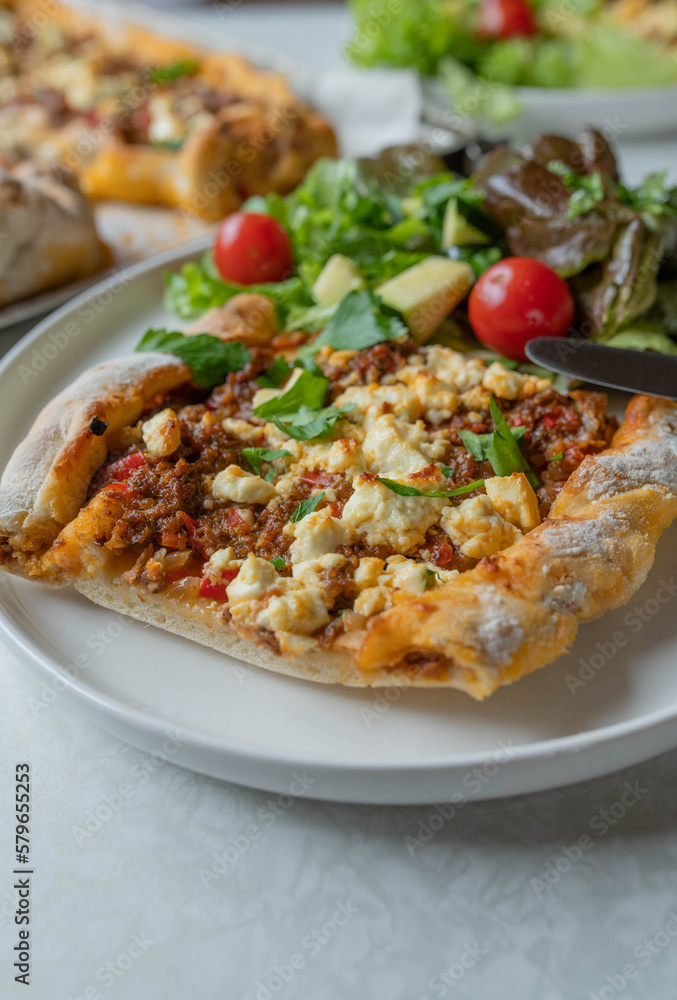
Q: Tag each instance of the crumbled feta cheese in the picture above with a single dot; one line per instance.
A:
(382, 517)
(438, 401)
(387, 448)
(256, 577)
(502, 382)
(309, 573)
(301, 611)
(162, 433)
(294, 645)
(534, 384)
(477, 400)
(243, 430)
(372, 400)
(368, 572)
(514, 499)
(317, 534)
(235, 484)
(165, 125)
(457, 370)
(476, 527)
(371, 601)
(345, 458)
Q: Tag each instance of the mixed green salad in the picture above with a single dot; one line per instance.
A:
(378, 250)
(531, 43)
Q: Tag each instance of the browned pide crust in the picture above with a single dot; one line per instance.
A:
(513, 613)
(265, 141)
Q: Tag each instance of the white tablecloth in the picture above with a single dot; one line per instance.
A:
(152, 882)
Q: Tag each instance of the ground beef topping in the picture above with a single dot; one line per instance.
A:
(204, 522)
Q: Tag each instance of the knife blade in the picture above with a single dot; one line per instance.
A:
(616, 367)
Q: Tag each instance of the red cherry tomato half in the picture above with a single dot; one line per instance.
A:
(506, 19)
(517, 299)
(251, 249)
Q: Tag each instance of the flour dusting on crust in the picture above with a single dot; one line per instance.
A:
(499, 633)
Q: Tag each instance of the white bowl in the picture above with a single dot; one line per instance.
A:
(636, 112)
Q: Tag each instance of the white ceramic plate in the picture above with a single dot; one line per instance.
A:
(619, 113)
(216, 715)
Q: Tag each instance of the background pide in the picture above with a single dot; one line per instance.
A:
(147, 119)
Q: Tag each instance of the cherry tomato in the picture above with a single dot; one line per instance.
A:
(506, 19)
(517, 299)
(251, 249)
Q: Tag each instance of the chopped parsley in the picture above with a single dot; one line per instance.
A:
(504, 452)
(278, 372)
(359, 322)
(257, 456)
(208, 358)
(307, 507)
(278, 562)
(299, 412)
(410, 491)
(174, 71)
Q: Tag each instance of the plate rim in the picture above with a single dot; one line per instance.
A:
(141, 721)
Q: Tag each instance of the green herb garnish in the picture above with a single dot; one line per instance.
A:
(558, 457)
(358, 322)
(430, 578)
(208, 358)
(411, 491)
(257, 456)
(478, 444)
(308, 390)
(307, 507)
(278, 562)
(504, 452)
(299, 413)
(174, 71)
(306, 423)
(278, 372)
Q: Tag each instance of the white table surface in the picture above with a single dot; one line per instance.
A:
(152, 882)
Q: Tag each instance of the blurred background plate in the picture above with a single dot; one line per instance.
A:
(619, 113)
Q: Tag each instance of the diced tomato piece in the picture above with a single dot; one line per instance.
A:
(118, 488)
(336, 509)
(192, 528)
(173, 540)
(236, 522)
(123, 468)
(317, 478)
(213, 591)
